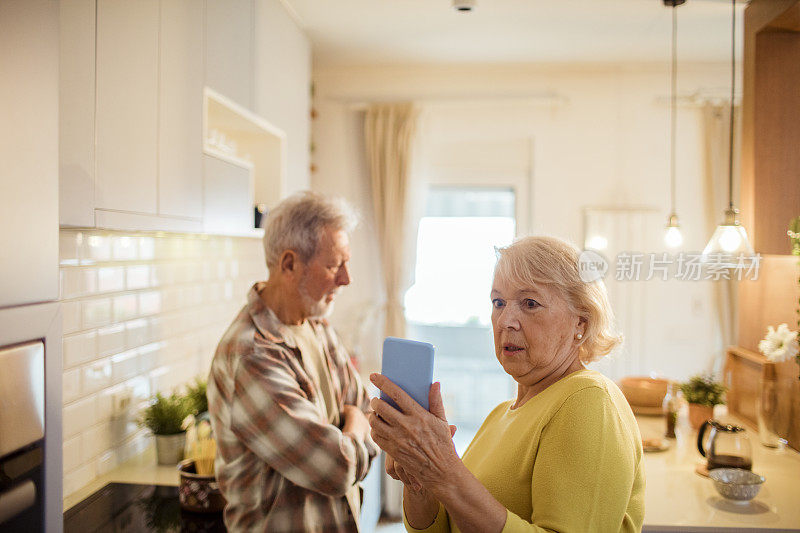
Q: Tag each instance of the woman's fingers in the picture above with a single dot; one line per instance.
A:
(389, 414)
(390, 468)
(435, 400)
(404, 401)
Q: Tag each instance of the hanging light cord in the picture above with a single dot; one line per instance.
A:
(733, 88)
(673, 105)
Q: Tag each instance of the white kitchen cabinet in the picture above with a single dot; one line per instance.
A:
(127, 106)
(132, 132)
(28, 152)
(76, 112)
(230, 49)
(180, 118)
(228, 194)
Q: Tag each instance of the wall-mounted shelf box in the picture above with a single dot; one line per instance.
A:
(260, 150)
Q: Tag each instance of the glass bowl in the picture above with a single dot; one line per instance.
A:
(736, 484)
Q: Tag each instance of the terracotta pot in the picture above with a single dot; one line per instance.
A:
(698, 414)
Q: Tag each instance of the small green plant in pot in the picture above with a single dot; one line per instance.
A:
(703, 393)
(164, 417)
(196, 396)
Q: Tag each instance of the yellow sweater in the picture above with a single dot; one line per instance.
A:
(569, 459)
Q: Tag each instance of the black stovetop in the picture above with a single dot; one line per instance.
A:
(122, 507)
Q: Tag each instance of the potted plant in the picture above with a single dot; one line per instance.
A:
(196, 396)
(164, 418)
(703, 393)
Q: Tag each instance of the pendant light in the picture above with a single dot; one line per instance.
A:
(673, 237)
(730, 237)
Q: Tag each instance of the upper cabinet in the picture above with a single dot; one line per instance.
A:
(180, 117)
(127, 105)
(29, 62)
(132, 82)
(229, 49)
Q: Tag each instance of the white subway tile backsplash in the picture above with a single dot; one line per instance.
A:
(111, 339)
(71, 385)
(149, 356)
(78, 416)
(79, 348)
(139, 387)
(159, 380)
(125, 307)
(95, 376)
(95, 441)
(147, 248)
(137, 277)
(110, 279)
(72, 453)
(79, 477)
(124, 248)
(124, 366)
(134, 446)
(148, 325)
(95, 249)
(76, 282)
(95, 313)
(137, 332)
(150, 303)
(70, 317)
(88, 281)
(106, 462)
(68, 248)
(122, 429)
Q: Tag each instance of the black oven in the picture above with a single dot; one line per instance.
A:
(22, 438)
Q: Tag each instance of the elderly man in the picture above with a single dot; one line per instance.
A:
(286, 406)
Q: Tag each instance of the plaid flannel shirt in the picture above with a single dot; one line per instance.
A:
(280, 464)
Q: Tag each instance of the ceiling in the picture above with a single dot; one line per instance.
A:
(381, 32)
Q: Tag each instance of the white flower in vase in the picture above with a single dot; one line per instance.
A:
(780, 344)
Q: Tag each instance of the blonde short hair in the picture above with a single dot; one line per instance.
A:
(550, 261)
(298, 221)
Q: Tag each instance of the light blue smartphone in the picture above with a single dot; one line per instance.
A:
(409, 364)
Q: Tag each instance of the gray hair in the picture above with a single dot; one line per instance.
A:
(554, 262)
(298, 221)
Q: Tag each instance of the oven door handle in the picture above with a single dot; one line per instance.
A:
(16, 500)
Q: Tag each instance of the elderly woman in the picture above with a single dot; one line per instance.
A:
(565, 455)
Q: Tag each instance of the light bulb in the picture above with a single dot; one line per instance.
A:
(598, 242)
(673, 237)
(730, 240)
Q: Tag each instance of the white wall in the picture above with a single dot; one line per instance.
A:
(606, 146)
(283, 85)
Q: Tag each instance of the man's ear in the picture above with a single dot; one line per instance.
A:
(288, 262)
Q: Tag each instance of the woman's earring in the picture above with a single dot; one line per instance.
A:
(579, 336)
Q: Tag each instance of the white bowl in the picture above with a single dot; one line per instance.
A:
(736, 484)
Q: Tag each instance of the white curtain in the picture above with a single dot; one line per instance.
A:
(390, 131)
(716, 134)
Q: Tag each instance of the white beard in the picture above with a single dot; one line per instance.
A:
(314, 308)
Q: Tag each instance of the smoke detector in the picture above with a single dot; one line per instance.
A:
(463, 5)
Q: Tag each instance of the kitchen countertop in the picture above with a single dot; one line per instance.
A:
(676, 498)
(679, 499)
(140, 469)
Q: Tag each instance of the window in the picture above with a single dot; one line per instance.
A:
(449, 306)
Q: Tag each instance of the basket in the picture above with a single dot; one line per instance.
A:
(199, 494)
